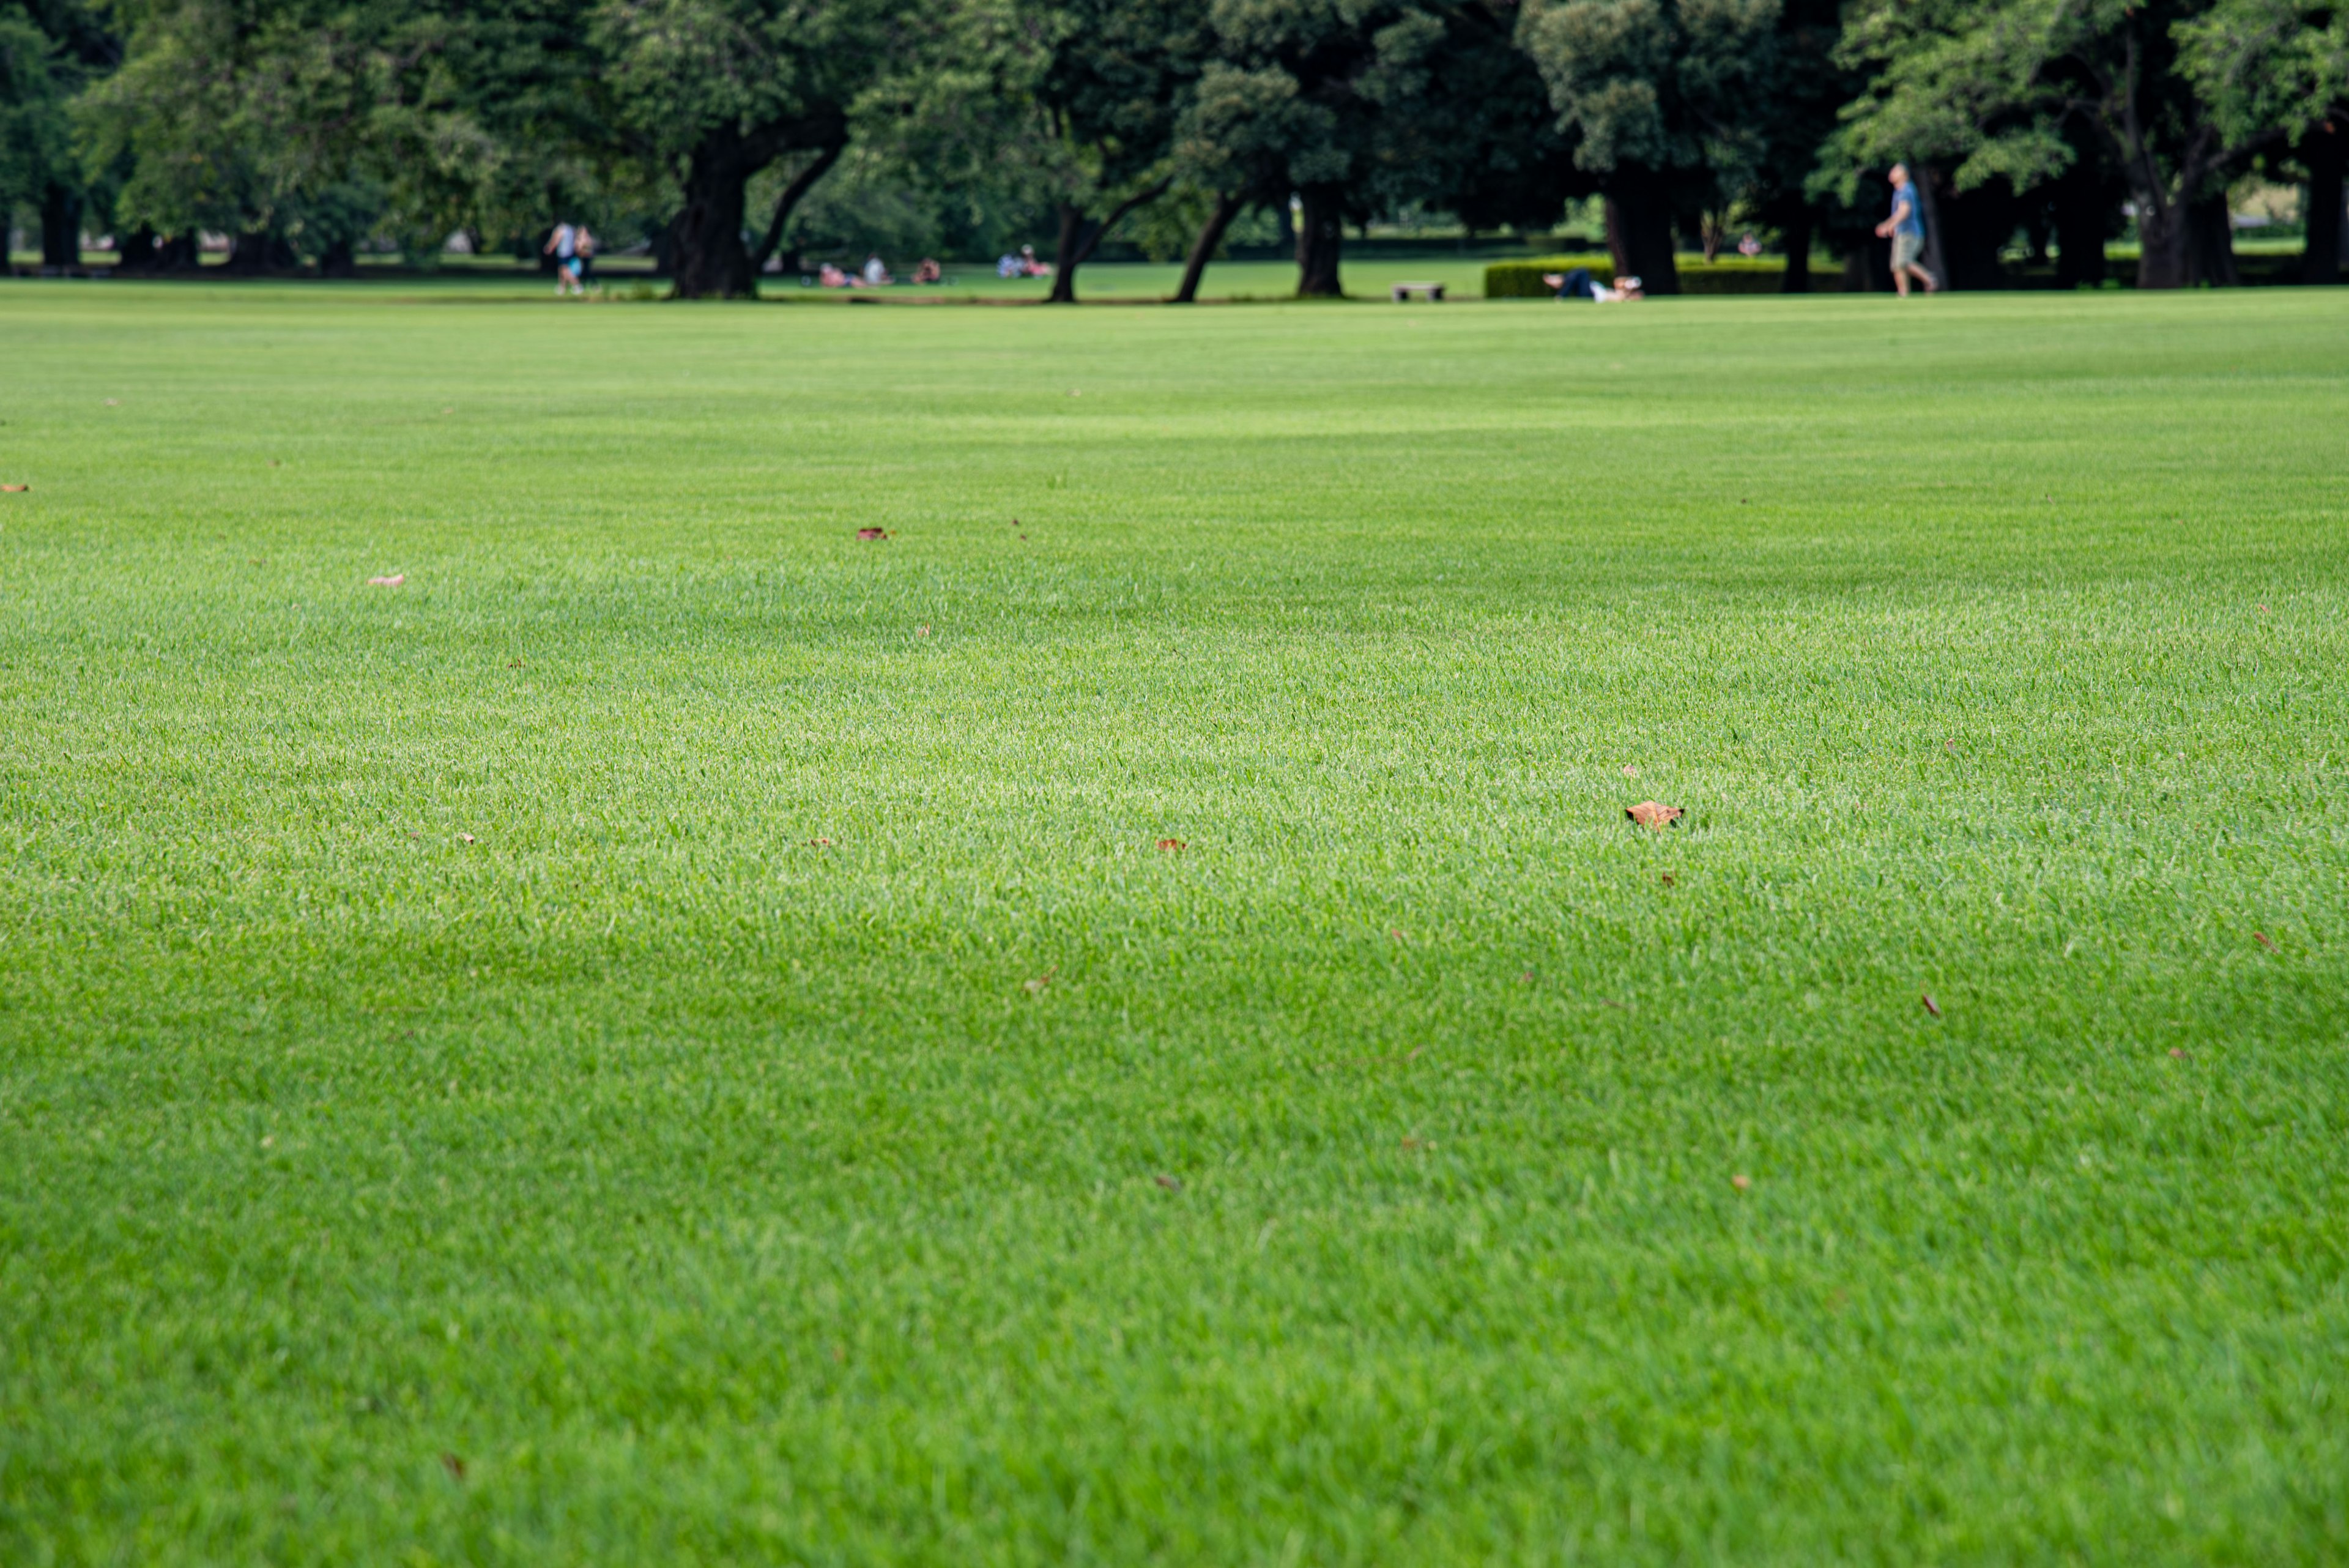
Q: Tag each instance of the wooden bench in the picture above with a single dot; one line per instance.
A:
(1402, 291)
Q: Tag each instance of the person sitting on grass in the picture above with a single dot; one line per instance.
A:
(1579, 284)
(830, 276)
(876, 272)
(930, 271)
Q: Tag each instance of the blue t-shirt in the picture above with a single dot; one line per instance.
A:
(1911, 218)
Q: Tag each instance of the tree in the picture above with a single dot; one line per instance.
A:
(50, 51)
(706, 94)
(1669, 101)
(2275, 68)
(1993, 85)
(1330, 100)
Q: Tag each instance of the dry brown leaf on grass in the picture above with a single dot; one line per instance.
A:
(1171, 1183)
(1035, 987)
(1931, 1005)
(1741, 1181)
(1172, 845)
(1668, 879)
(2262, 938)
(923, 629)
(16, 489)
(467, 839)
(819, 844)
(454, 1466)
(1630, 772)
(869, 535)
(392, 581)
(1653, 814)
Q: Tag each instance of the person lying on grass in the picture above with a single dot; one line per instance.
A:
(1579, 284)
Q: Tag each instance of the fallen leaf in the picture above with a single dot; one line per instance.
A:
(16, 489)
(275, 463)
(869, 535)
(1023, 535)
(1931, 1005)
(1611, 1001)
(392, 581)
(1398, 936)
(1630, 772)
(1171, 1183)
(1172, 845)
(1526, 977)
(1417, 1143)
(112, 403)
(839, 1355)
(454, 1466)
(467, 839)
(922, 630)
(2176, 1054)
(1741, 1181)
(819, 844)
(513, 664)
(1949, 747)
(1074, 393)
(1668, 879)
(2263, 609)
(1036, 986)
(1653, 814)
(2262, 938)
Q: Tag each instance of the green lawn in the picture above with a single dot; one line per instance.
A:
(669, 1036)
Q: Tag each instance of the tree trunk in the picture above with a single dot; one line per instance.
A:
(2326, 153)
(2080, 222)
(1797, 279)
(2161, 241)
(1639, 230)
(1068, 253)
(137, 253)
(248, 255)
(802, 183)
(2211, 242)
(1203, 248)
(1320, 236)
(710, 260)
(60, 229)
(1936, 258)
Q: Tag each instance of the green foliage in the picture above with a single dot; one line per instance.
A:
(49, 52)
(1678, 87)
(2269, 65)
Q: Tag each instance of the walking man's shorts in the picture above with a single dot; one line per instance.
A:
(1906, 250)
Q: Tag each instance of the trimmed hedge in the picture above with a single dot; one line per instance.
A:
(1523, 279)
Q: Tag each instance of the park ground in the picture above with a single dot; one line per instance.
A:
(1124, 1020)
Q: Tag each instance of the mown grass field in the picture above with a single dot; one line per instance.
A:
(669, 1036)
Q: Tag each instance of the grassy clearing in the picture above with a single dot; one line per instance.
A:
(699, 1188)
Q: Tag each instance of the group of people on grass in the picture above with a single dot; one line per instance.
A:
(875, 274)
(1905, 228)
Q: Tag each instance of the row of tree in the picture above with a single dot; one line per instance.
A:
(305, 128)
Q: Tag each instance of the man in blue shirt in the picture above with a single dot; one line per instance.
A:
(1906, 227)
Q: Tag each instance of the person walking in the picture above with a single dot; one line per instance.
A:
(563, 247)
(1906, 228)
